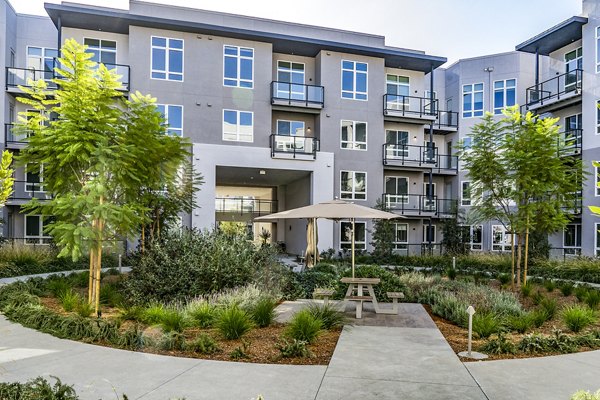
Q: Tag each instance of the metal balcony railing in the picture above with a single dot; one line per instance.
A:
(27, 190)
(297, 95)
(24, 76)
(420, 204)
(420, 156)
(446, 119)
(561, 86)
(240, 205)
(570, 142)
(12, 137)
(396, 105)
(295, 146)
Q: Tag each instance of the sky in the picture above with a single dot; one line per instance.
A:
(453, 29)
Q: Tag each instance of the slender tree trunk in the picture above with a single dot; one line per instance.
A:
(98, 272)
(519, 254)
(512, 258)
(91, 277)
(143, 237)
(526, 253)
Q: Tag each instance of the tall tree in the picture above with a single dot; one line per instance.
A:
(383, 236)
(6, 177)
(97, 156)
(596, 209)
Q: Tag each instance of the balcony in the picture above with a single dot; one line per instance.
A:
(401, 155)
(16, 77)
(556, 93)
(295, 147)
(576, 204)
(245, 205)
(420, 205)
(420, 110)
(24, 191)
(570, 142)
(297, 97)
(446, 122)
(12, 139)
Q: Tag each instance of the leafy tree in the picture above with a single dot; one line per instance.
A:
(6, 177)
(97, 156)
(383, 236)
(456, 235)
(595, 209)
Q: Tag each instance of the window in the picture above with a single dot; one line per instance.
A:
(354, 135)
(290, 80)
(501, 239)
(397, 89)
(238, 66)
(573, 62)
(473, 100)
(597, 175)
(396, 144)
(353, 185)
(287, 131)
(572, 239)
(429, 197)
(40, 61)
(238, 126)
(34, 178)
(354, 80)
(104, 51)
(429, 234)
(290, 128)
(396, 191)
(34, 229)
(360, 235)
(401, 237)
(476, 237)
(173, 116)
(467, 143)
(598, 117)
(597, 49)
(167, 59)
(429, 106)
(465, 193)
(504, 94)
(597, 241)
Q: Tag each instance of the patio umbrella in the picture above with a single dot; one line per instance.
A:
(333, 209)
(312, 238)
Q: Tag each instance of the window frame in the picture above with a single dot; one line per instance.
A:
(167, 49)
(597, 180)
(349, 242)
(166, 118)
(353, 142)
(425, 229)
(597, 239)
(355, 73)
(472, 111)
(463, 199)
(504, 245)
(505, 88)
(405, 198)
(353, 192)
(597, 30)
(100, 49)
(576, 248)
(238, 113)
(30, 186)
(238, 80)
(472, 244)
(42, 237)
(397, 245)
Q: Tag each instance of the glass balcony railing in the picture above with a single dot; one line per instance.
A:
(245, 205)
(295, 146)
(418, 156)
(396, 105)
(297, 95)
(420, 204)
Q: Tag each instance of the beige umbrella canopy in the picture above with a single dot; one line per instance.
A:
(334, 209)
(312, 239)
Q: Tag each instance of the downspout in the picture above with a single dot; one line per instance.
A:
(59, 27)
(429, 193)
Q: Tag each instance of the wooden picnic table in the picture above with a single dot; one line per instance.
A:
(356, 292)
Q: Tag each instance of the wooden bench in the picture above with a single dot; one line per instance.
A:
(324, 293)
(394, 296)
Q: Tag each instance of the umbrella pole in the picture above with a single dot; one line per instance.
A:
(353, 220)
(314, 241)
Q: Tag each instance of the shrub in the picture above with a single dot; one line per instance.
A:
(537, 298)
(581, 293)
(240, 351)
(85, 309)
(69, 300)
(80, 280)
(233, 323)
(202, 313)
(522, 323)
(592, 299)
(329, 316)
(304, 326)
(526, 289)
(567, 289)
(550, 285)
(504, 279)
(296, 348)
(204, 344)
(132, 313)
(153, 314)
(577, 318)
(110, 296)
(549, 306)
(263, 312)
(533, 343)
(499, 345)
(172, 320)
(451, 273)
(538, 317)
(57, 286)
(171, 341)
(38, 388)
(486, 324)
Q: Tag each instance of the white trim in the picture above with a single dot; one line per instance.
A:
(166, 117)
(597, 117)
(425, 228)
(575, 247)
(395, 242)
(354, 142)
(356, 243)
(597, 239)
(462, 198)
(504, 90)
(167, 49)
(462, 98)
(237, 133)
(354, 92)
(407, 196)
(100, 48)
(596, 180)
(30, 186)
(472, 244)
(41, 236)
(239, 57)
(597, 37)
(353, 192)
(504, 244)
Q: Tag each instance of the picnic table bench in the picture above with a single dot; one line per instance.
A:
(324, 293)
(361, 290)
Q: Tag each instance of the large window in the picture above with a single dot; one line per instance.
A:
(41, 61)
(573, 62)
(397, 89)
(353, 185)
(572, 239)
(238, 66)
(397, 144)
(34, 229)
(501, 240)
(238, 126)
(465, 193)
(396, 190)
(597, 180)
(34, 178)
(598, 117)
(429, 233)
(354, 135)
(290, 80)
(597, 236)
(104, 51)
(173, 115)
(504, 94)
(287, 131)
(167, 59)
(360, 235)
(473, 100)
(401, 238)
(597, 49)
(290, 128)
(476, 237)
(354, 80)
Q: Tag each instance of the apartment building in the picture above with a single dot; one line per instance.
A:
(283, 115)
